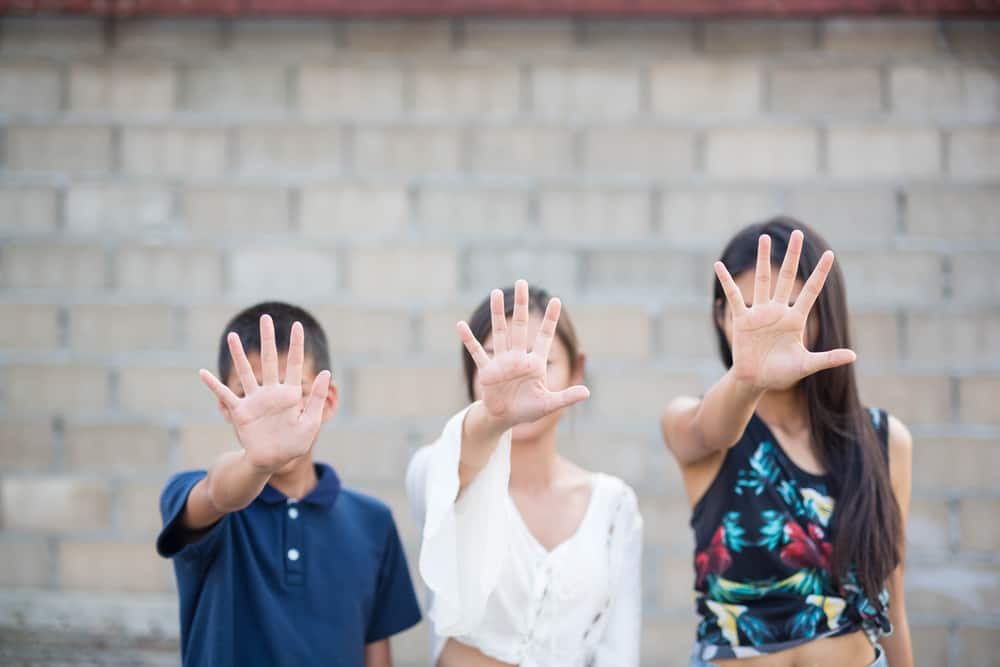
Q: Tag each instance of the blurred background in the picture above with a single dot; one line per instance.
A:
(159, 173)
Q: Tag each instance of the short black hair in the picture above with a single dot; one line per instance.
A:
(246, 324)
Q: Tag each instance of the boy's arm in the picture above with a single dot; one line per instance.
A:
(378, 654)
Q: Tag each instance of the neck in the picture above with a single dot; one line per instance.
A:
(534, 463)
(298, 481)
(785, 410)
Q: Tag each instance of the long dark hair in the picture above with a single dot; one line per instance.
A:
(867, 525)
(481, 325)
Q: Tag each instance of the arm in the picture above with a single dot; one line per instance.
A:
(898, 648)
(768, 354)
(378, 654)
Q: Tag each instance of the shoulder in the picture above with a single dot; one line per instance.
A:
(617, 497)
(364, 506)
(180, 484)
(676, 411)
(900, 449)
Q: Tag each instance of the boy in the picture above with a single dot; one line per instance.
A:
(276, 563)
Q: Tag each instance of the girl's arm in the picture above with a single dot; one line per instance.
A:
(898, 649)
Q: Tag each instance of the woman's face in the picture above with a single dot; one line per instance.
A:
(559, 376)
(744, 281)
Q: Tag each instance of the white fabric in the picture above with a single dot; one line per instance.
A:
(494, 587)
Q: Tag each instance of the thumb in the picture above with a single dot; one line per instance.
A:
(567, 397)
(821, 361)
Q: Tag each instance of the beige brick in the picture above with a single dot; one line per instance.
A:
(953, 464)
(236, 209)
(139, 504)
(625, 455)
(60, 148)
(51, 504)
(897, 37)
(973, 37)
(967, 338)
(892, 276)
(158, 390)
(356, 209)
(25, 563)
(948, 587)
(163, 269)
(603, 213)
(954, 213)
(27, 209)
(658, 36)
(203, 328)
(969, 278)
(978, 399)
(25, 445)
(688, 335)
(353, 330)
(398, 36)
(265, 272)
(982, 90)
(761, 153)
(118, 87)
(30, 326)
(439, 335)
(113, 566)
(637, 393)
(671, 273)
(665, 524)
(712, 216)
(176, 152)
(585, 90)
(927, 528)
(116, 328)
(367, 90)
(55, 388)
(846, 215)
(52, 266)
(235, 88)
(914, 399)
(392, 392)
(875, 336)
(626, 150)
(523, 150)
(389, 273)
(922, 89)
(280, 40)
(752, 36)
(825, 90)
(413, 149)
(612, 333)
(203, 442)
(28, 87)
(555, 270)
(980, 530)
(974, 153)
(299, 148)
(364, 454)
(930, 644)
(705, 87)
(94, 208)
(115, 447)
(517, 36)
(884, 152)
(478, 90)
(62, 38)
(468, 210)
(977, 646)
(186, 38)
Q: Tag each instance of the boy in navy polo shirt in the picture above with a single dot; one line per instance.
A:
(276, 563)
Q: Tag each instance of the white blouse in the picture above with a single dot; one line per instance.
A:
(494, 587)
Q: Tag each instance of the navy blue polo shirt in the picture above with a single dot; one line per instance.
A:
(285, 582)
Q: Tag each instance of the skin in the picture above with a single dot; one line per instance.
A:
(276, 408)
(525, 380)
(767, 337)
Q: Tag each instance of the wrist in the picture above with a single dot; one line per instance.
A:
(746, 386)
(479, 423)
(261, 469)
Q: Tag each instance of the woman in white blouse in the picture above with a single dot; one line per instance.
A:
(529, 559)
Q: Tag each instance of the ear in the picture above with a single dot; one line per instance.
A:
(579, 369)
(330, 404)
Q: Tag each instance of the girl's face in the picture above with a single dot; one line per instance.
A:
(744, 281)
(560, 375)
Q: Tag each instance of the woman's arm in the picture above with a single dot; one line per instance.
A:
(898, 649)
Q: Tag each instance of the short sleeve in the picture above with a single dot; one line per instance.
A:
(174, 540)
(396, 608)
(464, 537)
(619, 647)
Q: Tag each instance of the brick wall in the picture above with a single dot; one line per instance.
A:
(156, 177)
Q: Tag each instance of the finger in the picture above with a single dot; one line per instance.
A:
(476, 350)
(812, 288)
(729, 287)
(243, 369)
(547, 332)
(567, 397)
(499, 319)
(789, 269)
(519, 322)
(762, 277)
(317, 397)
(224, 393)
(268, 352)
(820, 361)
(296, 355)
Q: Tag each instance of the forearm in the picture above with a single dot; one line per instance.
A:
(232, 483)
(897, 646)
(724, 413)
(480, 437)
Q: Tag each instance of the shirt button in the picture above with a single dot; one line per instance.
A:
(293, 513)
(293, 554)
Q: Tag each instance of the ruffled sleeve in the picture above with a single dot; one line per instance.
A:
(465, 535)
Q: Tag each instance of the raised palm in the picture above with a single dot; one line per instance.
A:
(513, 380)
(271, 422)
(768, 345)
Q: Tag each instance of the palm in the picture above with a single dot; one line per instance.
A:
(769, 337)
(271, 421)
(514, 387)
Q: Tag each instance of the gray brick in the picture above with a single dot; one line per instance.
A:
(52, 38)
(762, 153)
(408, 149)
(880, 152)
(642, 35)
(759, 36)
(589, 212)
(31, 326)
(953, 213)
(122, 88)
(846, 215)
(356, 209)
(399, 36)
(283, 40)
(585, 90)
(683, 88)
(264, 273)
(60, 148)
(114, 329)
(52, 266)
(639, 151)
(825, 90)
(96, 208)
(298, 148)
(973, 37)
(523, 150)
(28, 87)
(895, 37)
(974, 153)
(25, 445)
(257, 88)
(361, 90)
(174, 151)
(393, 272)
(484, 89)
(182, 39)
(712, 215)
(473, 211)
(519, 37)
(27, 209)
(555, 269)
(672, 274)
(165, 270)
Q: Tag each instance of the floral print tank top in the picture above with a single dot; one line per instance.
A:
(763, 580)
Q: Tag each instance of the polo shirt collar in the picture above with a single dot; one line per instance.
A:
(324, 494)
